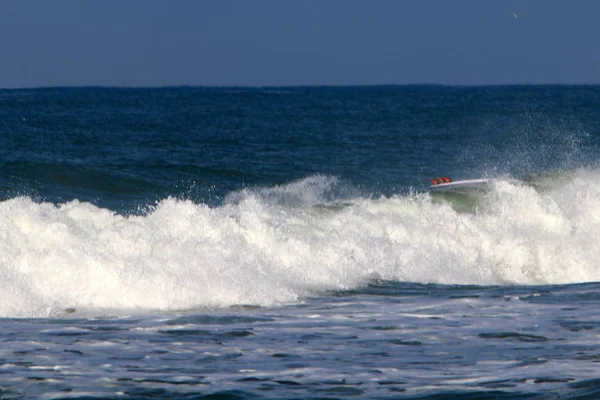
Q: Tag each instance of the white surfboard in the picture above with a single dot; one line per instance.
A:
(462, 184)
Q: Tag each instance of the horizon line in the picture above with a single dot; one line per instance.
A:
(299, 86)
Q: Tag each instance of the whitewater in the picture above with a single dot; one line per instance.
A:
(283, 244)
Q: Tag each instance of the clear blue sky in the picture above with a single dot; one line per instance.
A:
(308, 42)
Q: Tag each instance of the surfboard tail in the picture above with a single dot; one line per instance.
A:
(441, 180)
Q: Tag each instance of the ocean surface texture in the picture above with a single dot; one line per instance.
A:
(234, 243)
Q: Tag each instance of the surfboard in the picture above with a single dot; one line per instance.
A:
(465, 183)
(445, 183)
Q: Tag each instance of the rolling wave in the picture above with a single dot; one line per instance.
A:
(281, 244)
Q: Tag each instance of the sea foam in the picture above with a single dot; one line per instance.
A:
(276, 245)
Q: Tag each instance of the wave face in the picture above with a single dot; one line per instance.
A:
(280, 244)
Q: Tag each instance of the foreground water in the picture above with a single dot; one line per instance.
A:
(262, 243)
(383, 341)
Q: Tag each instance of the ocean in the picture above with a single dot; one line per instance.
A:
(284, 243)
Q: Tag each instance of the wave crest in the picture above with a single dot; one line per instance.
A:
(281, 244)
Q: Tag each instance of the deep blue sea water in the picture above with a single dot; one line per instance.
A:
(242, 243)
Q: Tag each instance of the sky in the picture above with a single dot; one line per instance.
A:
(294, 42)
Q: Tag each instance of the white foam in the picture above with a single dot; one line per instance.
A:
(258, 251)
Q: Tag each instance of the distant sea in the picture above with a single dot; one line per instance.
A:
(249, 243)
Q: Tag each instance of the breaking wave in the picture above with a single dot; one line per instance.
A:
(276, 245)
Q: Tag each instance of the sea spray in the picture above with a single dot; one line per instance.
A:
(183, 255)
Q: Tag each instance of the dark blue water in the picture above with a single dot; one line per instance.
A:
(284, 243)
(120, 148)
